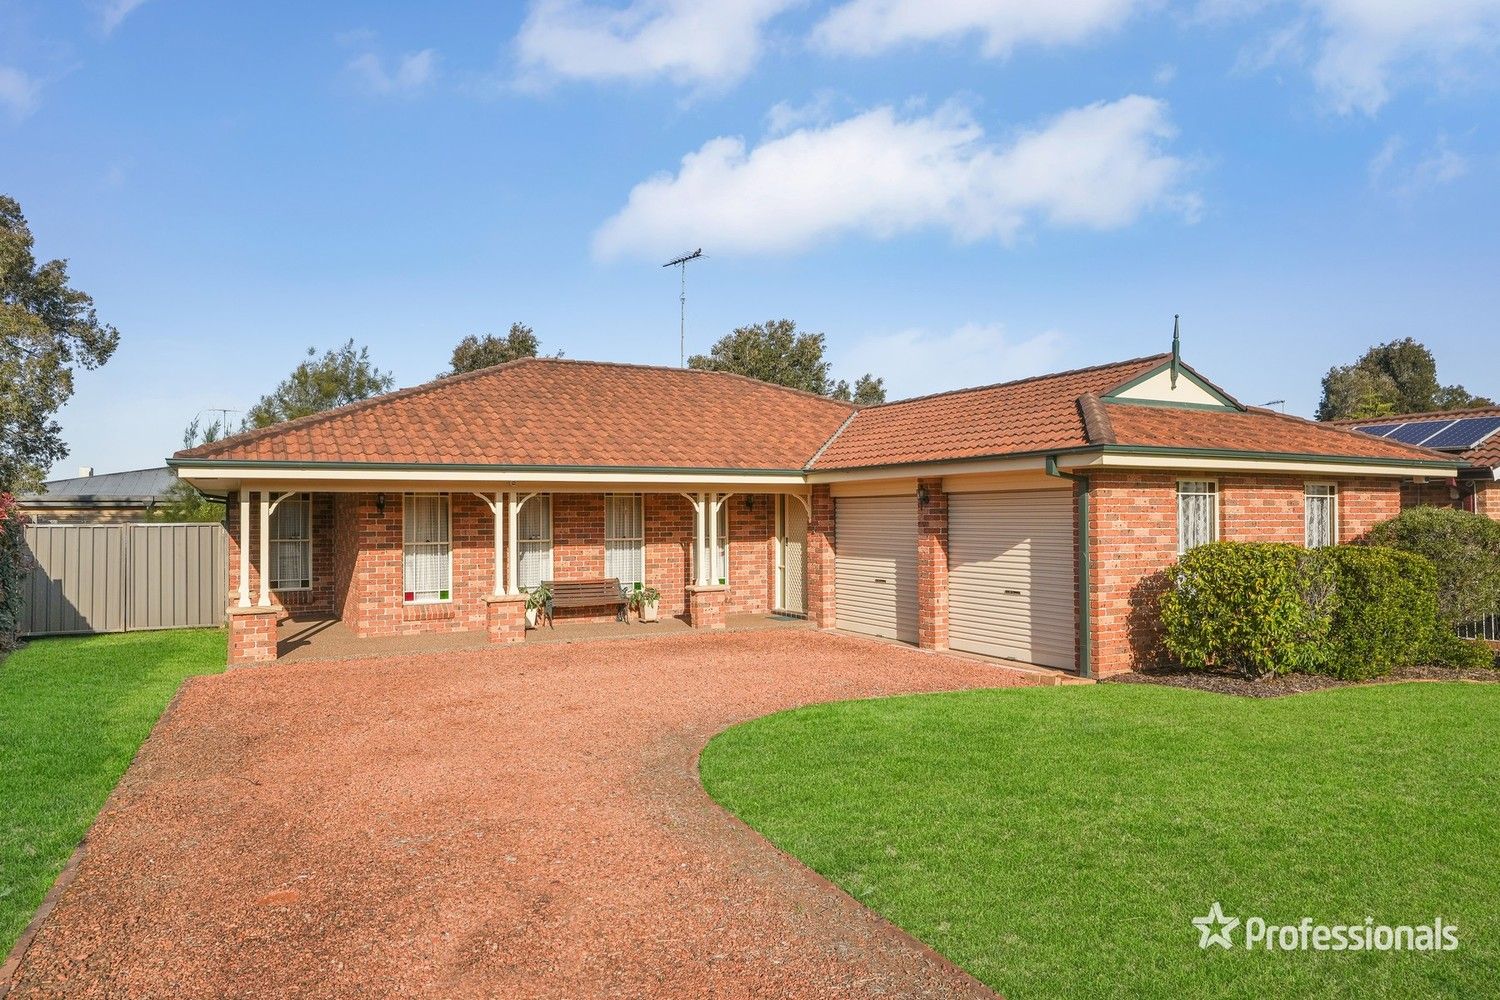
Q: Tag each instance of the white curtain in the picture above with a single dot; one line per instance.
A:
(1197, 514)
(291, 544)
(427, 564)
(534, 545)
(1318, 512)
(624, 538)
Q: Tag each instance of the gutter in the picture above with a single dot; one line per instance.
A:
(1085, 623)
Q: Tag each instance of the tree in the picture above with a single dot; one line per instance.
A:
(342, 375)
(46, 330)
(1397, 377)
(183, 503)
(775, 352)
(474, 353)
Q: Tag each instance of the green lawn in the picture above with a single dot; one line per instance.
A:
(73, 712)
(1056, 842)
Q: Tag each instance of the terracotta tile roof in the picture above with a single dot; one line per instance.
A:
(1487, 455)
(548, 411)
(1029, 415)
(1255, 430)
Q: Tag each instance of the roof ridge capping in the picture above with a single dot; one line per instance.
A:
(1096, 425)
(444, 381)
(1021, 381)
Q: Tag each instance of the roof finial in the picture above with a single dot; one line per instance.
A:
(1176, 348)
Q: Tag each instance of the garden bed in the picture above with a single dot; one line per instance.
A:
(1229, 682)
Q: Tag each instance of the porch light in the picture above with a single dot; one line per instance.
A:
(380, 504)
(922, 496)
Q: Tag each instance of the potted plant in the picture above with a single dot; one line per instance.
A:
(646, 601)
(536, 599)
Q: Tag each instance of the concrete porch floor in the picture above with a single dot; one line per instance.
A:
(302, 639)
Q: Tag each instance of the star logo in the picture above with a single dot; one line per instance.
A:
(1215, 927)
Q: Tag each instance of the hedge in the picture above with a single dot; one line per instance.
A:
(1464, 547)
(1353, 611)
(12, 569)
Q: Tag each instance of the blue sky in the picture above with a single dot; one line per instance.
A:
(955, 192)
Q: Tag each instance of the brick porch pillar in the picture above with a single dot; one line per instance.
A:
(932, 566)
(505, 618)
(706, 606)
(821, 609)
(252, 635)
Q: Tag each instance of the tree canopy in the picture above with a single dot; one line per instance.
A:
(1397, 377)
(775, 351)
(475, 352)
(342, 375)
(47, 328)
(183, 503)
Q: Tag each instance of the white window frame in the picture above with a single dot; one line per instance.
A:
(447, 499)
(545, 540)
(1333, 511)
(640, 499)
(304, 500)
(1182, 546)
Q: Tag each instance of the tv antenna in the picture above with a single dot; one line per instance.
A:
(682, 263)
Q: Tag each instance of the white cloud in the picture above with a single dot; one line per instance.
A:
(686, 41)
(19, 93)
(1393, 173)
(410, 73)
(863, 27)
(1164, 74)
(113, 12)
(786, 116)
(916, 362)
(879, 174)
(1360, 51)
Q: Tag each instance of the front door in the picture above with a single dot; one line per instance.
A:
(791, 556)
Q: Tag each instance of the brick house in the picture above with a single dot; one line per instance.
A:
(1030, 520)
(1472, 436)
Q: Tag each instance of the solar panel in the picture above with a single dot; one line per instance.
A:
(1464, 434)
(1377, 430)
(1418, 432)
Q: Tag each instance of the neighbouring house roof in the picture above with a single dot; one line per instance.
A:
(540, 412)
(138, 487)
(1486, 455)
(549, 413)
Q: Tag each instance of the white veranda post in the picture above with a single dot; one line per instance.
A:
(498, 508)
(244, 547)
(713, 538)
(265, 549)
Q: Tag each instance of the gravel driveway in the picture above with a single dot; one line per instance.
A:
(517, 823)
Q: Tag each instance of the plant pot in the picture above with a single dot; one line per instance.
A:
(650, 611)
(531, 617)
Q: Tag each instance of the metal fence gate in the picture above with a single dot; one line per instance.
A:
(89, 578)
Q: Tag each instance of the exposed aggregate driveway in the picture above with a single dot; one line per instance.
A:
(497, 823)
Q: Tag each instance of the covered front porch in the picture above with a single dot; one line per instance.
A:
(316, 569)
(305, 638)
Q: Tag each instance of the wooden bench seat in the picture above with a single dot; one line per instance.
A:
(584, 594)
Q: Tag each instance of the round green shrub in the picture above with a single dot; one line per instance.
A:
(1451, 650)
(1384, 612)
(1464, 548)
(1256, 608)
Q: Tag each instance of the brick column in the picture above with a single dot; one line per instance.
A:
(706, 606)
(821, 609)
(932, 566)
(505, 618)
(252, 635)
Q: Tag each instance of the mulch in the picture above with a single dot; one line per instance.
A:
(1227, 682)
(487, 823)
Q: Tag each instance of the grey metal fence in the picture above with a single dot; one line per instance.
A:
(1489, 628)
(89, 578)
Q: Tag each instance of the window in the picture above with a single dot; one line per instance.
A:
(624, 538)
(1320, 514)
(534, 542)
(291, 544)
(426, 556)
(1197, 513)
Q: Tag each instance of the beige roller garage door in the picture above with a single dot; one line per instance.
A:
(875, 584)
(1010, 575)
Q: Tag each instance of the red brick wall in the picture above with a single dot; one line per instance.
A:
(320, 600)
(752, 553)
(669, 548)
(1477, 495)
(821, 610)
(1133, 538)
(932, 566)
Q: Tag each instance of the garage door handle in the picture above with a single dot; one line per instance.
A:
(882, 581)
(1012, 593)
